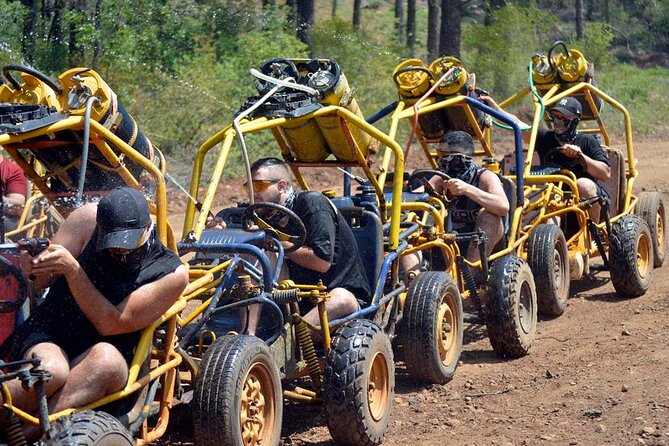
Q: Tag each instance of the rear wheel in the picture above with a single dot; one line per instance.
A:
(359, 384)
(432, 328)
(631, 256)
(238, 400)
(511, 307)
(88, 428)
(549, 261)
(651, 208)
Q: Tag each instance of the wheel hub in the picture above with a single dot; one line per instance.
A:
(377, 387)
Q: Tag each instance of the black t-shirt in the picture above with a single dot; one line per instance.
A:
(546, 141)
(331, 239)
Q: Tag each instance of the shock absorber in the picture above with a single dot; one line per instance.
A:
(597, 237)
(11, 427)
(309, 352)
(470, 283)
(285, 296)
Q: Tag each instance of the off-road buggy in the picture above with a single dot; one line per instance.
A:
(500, 287)
(630, 238)
(75, 142)
(309, 109)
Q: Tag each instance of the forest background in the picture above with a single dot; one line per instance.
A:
(182, 67)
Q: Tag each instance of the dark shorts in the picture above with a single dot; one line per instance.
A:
(34, 332)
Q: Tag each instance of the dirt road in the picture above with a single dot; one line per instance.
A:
(597, 375)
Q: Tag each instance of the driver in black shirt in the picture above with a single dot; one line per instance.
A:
(330, 252)
(566, 147)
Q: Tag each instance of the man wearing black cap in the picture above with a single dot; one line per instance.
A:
(566, 147)
(109, 278)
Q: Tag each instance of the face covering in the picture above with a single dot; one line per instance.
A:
(458, 166)
(565, 131)
(131, 261)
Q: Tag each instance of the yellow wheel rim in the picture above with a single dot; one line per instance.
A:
(643, 254)
(659, 230)
(258, 407)
(447, 329)
(377, 388)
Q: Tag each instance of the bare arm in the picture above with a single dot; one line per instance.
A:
(13, 203)
(489, 194)
(305, 257)
(72, 235)
(490, 102)
(597, 169)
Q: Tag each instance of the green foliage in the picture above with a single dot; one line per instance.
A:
(500, 53)
(642, 92)
(11, 24)
(596, 44)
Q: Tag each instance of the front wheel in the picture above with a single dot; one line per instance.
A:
(359, 384)
(431, 330)
(631, 256)
(511, 307)
(237, 400)
(549, 261)
(87, 428)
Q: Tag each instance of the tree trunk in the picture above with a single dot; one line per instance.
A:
(292, 12)
(56, 30)
(590, 10)
(357, 6)
(579, 19)
(449, 39)
(97, 22)
(605, 7)
(305, 17)
(29, 30)
(491, 7)
(433, 20)
(411, 26)
(76, 50)
(334, 9)
(399, 20)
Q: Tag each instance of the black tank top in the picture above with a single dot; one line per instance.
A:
(60, 315)
(465, 210)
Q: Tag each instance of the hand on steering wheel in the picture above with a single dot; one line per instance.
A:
(423, 176)
(278, 221)
(556, 157)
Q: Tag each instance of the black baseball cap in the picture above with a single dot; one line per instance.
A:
(569, 107)
(122, 217)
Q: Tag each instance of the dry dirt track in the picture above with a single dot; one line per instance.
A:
(597, 375)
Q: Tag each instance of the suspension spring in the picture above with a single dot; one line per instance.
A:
(11, 427)
(470, 283)
(597, 237)
(309, 353)
(285, 296)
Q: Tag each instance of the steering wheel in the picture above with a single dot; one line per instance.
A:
(13, 286)
(423, 176)
(20, 68)
(557, 158)
(277, 220)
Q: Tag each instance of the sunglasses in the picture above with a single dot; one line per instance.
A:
(262, 185)
(560, 118)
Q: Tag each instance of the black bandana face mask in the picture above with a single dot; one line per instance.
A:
(131, 260)
(458, 166)
(565, 131)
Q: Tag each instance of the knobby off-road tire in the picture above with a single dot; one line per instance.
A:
(431, 330)
(548, 259)
(651, 208)
(511, 307)
(87, 428)
(631, 256)
(359, 384)
(238, 398)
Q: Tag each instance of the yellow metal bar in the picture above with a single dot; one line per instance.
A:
(325, 325)
(394, 122)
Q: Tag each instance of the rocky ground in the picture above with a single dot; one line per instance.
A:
(597, 375)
